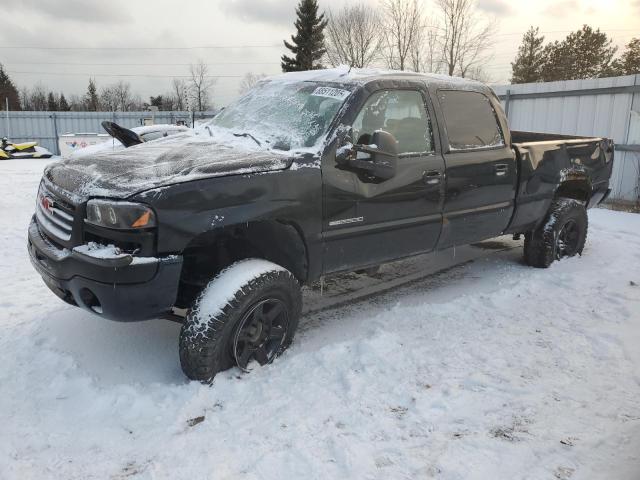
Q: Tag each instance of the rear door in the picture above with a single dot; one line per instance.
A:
(368, 221)
(481, 169)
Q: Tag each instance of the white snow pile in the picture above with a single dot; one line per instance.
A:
(491, 371)
(98, 250)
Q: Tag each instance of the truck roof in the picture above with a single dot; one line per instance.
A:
(361, 76)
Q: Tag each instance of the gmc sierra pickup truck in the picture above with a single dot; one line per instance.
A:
(308, 174)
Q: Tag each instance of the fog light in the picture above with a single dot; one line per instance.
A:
(90, 301)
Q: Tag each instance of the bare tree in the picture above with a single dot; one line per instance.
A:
(425, 53)
(77, 103)
(25, 98)
(402, 27)
(478, 73)
(179, 94)
(124, 98)
(249, 81)
(464, 36)
(38, 97)
(201, 83)
(108, 99)
(353, 36)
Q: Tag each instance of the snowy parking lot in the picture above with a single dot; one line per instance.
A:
(481, 368)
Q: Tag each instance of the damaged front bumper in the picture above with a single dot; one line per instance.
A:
(123, 288)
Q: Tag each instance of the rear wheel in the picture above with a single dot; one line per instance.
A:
(562, 234)
(249, 312)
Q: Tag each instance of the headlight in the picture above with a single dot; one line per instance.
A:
(122, 215)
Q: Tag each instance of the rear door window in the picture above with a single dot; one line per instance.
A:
(470, 120)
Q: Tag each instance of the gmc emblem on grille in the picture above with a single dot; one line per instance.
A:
(47, 204)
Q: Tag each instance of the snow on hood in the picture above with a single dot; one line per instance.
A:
(174, 159)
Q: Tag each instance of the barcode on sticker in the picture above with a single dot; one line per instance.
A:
(330, 92)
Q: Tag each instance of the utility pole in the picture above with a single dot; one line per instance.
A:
(8, 125)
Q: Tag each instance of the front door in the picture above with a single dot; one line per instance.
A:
(369, 221)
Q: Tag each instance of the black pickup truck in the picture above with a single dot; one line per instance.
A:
(308, 174)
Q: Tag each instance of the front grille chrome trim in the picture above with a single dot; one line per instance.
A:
(51, 229)
(55, 222)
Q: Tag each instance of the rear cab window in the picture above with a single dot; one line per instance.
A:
(470, 120)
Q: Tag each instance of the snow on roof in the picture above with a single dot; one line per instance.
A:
(346, 74)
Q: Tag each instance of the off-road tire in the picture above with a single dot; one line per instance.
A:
(541, 244)
(206, 340)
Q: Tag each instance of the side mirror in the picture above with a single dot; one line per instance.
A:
(379, 159)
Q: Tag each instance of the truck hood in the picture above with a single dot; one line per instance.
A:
(166, 161)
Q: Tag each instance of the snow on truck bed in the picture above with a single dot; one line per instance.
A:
(490, 371)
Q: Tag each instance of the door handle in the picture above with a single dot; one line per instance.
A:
(501, 169)
(432, 177)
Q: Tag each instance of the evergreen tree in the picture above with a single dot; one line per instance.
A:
(528, 63)
(308, 43)
(629, 61)
(586, 53)
(63, 106)
(8, 91)
(91, 97)
(52, 103)
(156, 101)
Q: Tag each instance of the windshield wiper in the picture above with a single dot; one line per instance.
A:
(249, 136)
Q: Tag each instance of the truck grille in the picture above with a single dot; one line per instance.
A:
(54, 217)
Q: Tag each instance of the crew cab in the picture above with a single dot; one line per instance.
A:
(308, 174)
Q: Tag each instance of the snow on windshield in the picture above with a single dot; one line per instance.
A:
(284, 115)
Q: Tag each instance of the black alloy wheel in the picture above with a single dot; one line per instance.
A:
(261, 333)
(568, 240)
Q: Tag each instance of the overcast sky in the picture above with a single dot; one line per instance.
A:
(148, 42)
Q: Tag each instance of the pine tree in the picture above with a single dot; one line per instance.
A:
(308, 43)
(629, 61)
(63, 106)
(52, 103)
(528, 63)
(8, 91)
(586, 53)
(91, 98)
(156, 101)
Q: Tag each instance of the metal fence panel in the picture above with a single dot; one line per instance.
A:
(43, 126)
(604, 107)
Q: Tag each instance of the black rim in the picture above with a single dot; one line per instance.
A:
(261, 333)
(568, 238)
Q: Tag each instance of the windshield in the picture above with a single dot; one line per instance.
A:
(284, 115)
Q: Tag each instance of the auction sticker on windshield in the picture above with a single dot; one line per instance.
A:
(330, 92)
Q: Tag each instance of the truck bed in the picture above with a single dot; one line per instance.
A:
(518, 136)
(582, 165)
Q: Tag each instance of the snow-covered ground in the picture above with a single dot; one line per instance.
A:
(490, 370)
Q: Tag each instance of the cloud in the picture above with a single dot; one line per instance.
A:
(275, 12)
(74, 10)
(562, 8)
(496, 7)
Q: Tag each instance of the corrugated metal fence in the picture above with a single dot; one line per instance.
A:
(45, 127)
(607, 107)
(603, 107)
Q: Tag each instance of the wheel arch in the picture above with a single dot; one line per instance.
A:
(574, 184)
(279, 241)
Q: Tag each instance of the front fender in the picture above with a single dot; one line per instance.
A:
(190, 209)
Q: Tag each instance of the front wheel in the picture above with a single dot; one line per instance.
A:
(562, 234)
(249, 312)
